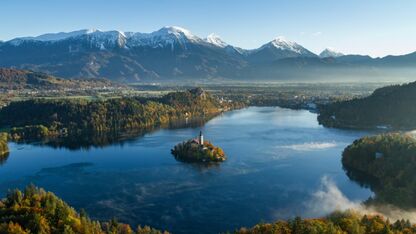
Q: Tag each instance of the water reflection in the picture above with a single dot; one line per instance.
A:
(399, 195)
(3, 158)
(361, 178)
(87, 141)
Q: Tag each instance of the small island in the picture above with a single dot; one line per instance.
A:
(198, 150)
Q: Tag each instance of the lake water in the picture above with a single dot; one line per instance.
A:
(281, 164)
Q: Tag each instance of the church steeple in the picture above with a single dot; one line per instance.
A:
(201, 138)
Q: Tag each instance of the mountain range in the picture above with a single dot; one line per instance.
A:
(175, 54)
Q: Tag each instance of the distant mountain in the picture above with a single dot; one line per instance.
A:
(355, 59)
(175, 54)
(328, 52)
(279, 48)
(407, 60)
(388, 107)
(12, 79)
(170, 53)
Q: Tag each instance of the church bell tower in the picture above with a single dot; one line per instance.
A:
(201, 138)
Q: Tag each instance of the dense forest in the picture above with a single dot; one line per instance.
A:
(335, 223)
(37, 211)
(191, 151)
(102, 139)
(41, 118)
(386, 163)
(388, 107)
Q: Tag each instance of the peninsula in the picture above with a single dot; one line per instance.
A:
(386, 163)
(73, 117)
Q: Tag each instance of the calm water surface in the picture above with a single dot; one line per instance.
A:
(281, 164)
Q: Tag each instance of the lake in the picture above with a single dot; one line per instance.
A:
(281, 164)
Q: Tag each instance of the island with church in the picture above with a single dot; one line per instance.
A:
(198, 150)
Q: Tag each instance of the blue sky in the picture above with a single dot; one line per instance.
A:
(375, 27)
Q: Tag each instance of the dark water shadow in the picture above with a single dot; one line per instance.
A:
(362, 178)
(384, 194)
(87, 141)
(3, 158)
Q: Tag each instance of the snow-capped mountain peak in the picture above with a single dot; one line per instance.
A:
(177, 31)
(280, 47)
(166, 36)
(171, 32)
(172, 37)
(95, 35)
(283, 44)
(214, 39)
(330, 52)
(282, 39)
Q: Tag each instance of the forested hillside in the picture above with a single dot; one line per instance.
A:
(388, 107)
(337, 222)
(44, 117)
(37, 211)
(14, 79)
(386, 163)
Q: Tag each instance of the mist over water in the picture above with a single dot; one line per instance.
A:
(329, 198)
(310, 146)
(276, 161)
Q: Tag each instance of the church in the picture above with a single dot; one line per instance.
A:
(200, 139)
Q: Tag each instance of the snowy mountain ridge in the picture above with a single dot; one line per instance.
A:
(167, 36)
(282, 43)
(172, 53)
(214, 39)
